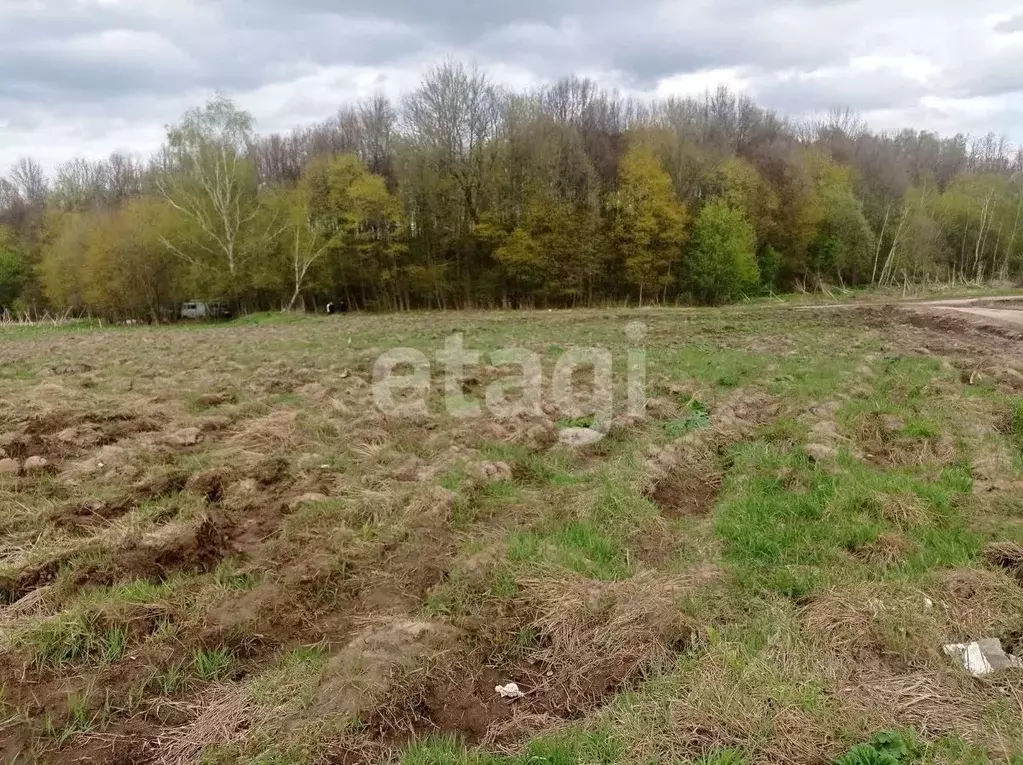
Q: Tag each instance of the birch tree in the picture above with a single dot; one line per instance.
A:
(212, 184)
(303, 240)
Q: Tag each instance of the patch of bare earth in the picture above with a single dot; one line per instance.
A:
(284, 511)
(591, 641)
(881, 440)
(684, 478)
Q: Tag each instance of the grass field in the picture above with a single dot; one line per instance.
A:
(231, 555)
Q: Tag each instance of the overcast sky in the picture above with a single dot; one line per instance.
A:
(86, 77)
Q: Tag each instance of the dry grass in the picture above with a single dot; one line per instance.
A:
(221, 716)
(876, 624)
(607, 633)
(884, 440)
(1008, 555)
(889, 551)
(232, 492)
(899, 625)
(903, 509)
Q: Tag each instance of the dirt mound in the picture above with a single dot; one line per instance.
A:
(1007, 555)
(994, 473)
(372, 666)
(362, 673)
(898, 626)
(592, 640)
(14, 587)
(684, 478)
(490, 472)
(866, 623)
(93, 513)
(197, 546)
(63, 434)
(352, 683)
(890, 550)
(884, 441)
(210, 484)
(603, 634)
(271, 470)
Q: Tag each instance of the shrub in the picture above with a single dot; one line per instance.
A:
(721, 265)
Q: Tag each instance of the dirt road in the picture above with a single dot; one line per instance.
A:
(1005, 311)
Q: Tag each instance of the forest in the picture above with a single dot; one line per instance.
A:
(463, 194)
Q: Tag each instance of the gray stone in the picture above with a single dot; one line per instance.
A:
(982, 657)
(576, 437)
(9, 466)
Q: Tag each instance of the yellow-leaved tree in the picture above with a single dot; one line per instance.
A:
(649, 223)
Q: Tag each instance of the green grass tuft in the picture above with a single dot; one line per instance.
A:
(213, 664)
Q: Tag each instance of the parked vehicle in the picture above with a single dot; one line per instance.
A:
(198, 309)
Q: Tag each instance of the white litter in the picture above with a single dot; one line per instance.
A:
(982, 657)
(509, 691)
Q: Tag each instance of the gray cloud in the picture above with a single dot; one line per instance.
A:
(820, 91)
(87, 75)
(133, 54)
(644, 62)
(1015, 24)
(454, 20)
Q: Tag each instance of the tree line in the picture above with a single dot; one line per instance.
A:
(466, 195)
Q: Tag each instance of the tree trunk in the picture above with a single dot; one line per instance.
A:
(880, 241)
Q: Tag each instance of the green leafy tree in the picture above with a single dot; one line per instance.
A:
(650, 223)
(721, 263)
(361, 221)
(466, 194)
(12, 268)
(844, 244)
(63, 254)
(548, 189)
(296, 257)
(522, 261)
(127, 270)
(979, 214)
(211, 182)
(822, 231)
(770, 265)
(738, 184)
